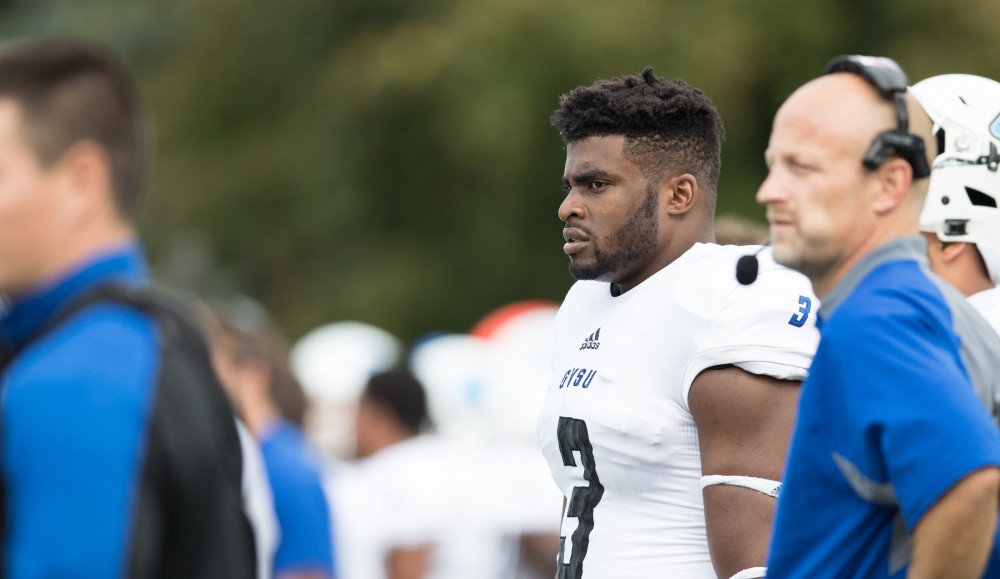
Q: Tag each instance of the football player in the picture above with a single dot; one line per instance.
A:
(673, 393)
(960, 218)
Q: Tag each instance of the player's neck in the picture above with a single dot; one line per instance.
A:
(382, 437)
(672, 250)
(971, 282)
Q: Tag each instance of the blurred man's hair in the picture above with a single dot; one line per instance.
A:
(246, 335)
(668, 124)
(70, 91)
(401, 393)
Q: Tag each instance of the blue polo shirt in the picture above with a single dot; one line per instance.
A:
(294, 471)
(888, 420)
(75, 407)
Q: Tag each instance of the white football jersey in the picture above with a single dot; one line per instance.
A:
(616, 429)
(987, 303)
(468, 503)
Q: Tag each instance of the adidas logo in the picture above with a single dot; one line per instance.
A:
(592, 342)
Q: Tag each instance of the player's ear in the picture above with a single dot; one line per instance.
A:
(894, 179)
(680, 193)
(951, 251)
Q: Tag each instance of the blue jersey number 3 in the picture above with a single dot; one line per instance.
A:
(799, 318)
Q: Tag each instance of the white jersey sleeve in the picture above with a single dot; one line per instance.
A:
(766, 328)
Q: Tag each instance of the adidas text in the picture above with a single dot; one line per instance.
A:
(592, 342)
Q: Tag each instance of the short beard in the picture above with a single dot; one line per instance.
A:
(630, 243)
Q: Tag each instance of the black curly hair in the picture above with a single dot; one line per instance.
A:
(668, 124)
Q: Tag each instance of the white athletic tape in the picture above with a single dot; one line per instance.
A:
(751, 573)
(761, 485)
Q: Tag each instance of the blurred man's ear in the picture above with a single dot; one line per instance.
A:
(895, 177)
(83, 175)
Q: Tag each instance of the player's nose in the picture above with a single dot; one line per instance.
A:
(571, 207)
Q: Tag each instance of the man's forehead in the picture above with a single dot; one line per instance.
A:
(798, 136)
(846, 100)
(840, 87)
(594, 152)
(838, 110)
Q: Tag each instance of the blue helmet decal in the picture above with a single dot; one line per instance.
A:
(995, 127)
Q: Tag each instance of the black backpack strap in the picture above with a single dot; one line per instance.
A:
(162, 544)
(143, 298)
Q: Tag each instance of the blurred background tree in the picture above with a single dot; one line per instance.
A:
(391, 161)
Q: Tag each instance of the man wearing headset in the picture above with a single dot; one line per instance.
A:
(960, 219)
(893, 467)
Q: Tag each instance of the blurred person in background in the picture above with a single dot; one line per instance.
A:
(258, 500)
(961, 219)
(482, 438)
(420, 505)
(484, 392)
(253, 368)
(333, 362)
(119, 452)
(673, 392)
(380, 503)
(392, 410)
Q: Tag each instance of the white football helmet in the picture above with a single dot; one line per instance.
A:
(490, 383)
(458, 372)
(333, 363)
(964, 192)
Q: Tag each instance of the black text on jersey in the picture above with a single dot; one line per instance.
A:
(592, 343)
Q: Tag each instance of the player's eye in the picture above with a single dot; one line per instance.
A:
(597, 185)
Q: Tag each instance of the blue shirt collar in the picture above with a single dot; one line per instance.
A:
(27, 313)
(913, 248)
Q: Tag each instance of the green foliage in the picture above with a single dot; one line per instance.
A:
(391, 161)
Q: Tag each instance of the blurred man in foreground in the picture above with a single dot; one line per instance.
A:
(893, 468)
(120, 456)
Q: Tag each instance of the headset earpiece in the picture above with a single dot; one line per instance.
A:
(890, 81)
(896, 144)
